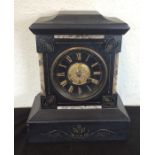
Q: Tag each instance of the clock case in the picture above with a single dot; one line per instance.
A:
(55, 34)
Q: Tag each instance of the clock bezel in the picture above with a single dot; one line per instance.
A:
(60, 91)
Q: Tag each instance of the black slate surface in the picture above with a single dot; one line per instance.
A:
(130, 147)
(79, 22)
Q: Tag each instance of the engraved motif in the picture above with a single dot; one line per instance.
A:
(79, 132)
(78, 73)
(110, 45)
(44, 44)
(103, 133)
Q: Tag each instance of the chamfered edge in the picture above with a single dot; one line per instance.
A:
(86, 23)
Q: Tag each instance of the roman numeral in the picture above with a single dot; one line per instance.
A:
(95, 64)
(61, 74)
(89, 88)
(61, 65)
(63, 83)
(94, 81)
(69, 59)
(71, 88)
(87, 58)
(79, 91)
(78, 56)
(97, 73)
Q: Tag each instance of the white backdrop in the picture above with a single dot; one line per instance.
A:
(27, 83)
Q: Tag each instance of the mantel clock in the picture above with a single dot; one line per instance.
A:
(78, 58)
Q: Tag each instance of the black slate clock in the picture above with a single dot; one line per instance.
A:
(78, 54)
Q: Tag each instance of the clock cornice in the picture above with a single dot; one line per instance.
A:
(79, 22)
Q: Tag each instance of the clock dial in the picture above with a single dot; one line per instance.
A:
(79, 73)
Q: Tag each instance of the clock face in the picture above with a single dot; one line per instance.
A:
(78, 73)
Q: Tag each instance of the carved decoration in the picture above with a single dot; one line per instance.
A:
(44, 43)
(79, 132)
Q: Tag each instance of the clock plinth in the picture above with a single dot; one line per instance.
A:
(78, 58)
(51, 125)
